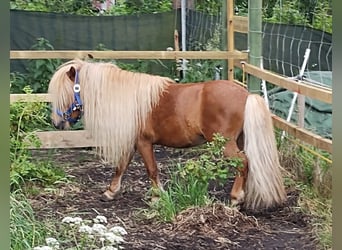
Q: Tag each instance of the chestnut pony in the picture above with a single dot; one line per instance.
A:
(126, 112)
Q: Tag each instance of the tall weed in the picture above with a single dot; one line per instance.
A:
(38, 71)
(25, 120)
(25, 230)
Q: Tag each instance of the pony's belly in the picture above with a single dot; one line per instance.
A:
(177, 141)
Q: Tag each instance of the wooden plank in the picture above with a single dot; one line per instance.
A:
(303, 134)
(301, 110)
(230, 37)
(173, 55)
(65, 139)
(241, 24)
(30, 98)
(240, 83)
(313, 91)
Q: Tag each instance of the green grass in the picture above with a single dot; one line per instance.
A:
(25, 230)
(320, 210)
(179, 194)
(311, 175)
(188, 184)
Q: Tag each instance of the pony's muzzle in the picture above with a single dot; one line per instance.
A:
(62, 125)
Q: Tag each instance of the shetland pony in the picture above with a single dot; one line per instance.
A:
(127, 112)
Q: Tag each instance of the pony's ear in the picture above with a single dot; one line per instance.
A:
(71, 73)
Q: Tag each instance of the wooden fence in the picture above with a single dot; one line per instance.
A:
(69, 139)
(81, 138)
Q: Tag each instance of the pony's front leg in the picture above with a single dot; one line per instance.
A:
(115, 184)
(145, 148)
(237, 194)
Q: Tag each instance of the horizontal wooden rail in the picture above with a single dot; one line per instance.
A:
(303, 134)
(30, 98)
(82, 138)
(65, 139)
(309, 90)
(71, 54)
(240, 24)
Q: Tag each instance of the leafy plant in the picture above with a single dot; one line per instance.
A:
(76, 233)
(83, 7)
(131, 7)
(199, 70)
(39, 71)
(288, 13)
(212, 7)
(17, 82)
(322, 18)
(182, 192)
(25, 120)
(316, 14)
(188, 185)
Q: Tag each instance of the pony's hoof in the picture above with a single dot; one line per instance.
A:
(235, 204)
(107, 196)
(236, 201)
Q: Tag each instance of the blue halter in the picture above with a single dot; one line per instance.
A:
(76, 105)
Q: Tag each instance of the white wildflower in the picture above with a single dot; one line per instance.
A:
(77, 220)
(52, 242)
(99, 229)
(72, 220)
(43, 248)
(113, 238)
(68, 219)
(100, 219)
(108, 248)
(85, 229)
(118, 230)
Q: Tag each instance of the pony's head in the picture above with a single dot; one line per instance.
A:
(65, 91)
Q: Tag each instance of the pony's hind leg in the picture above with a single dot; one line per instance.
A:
(115, 184)
(237, 193)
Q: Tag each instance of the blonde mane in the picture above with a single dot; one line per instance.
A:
(61, 87)
(116, 103)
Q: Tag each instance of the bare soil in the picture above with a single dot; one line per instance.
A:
(213, 227)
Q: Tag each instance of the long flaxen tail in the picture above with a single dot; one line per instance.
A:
(264, 186)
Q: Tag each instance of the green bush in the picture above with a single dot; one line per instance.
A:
(188, 185)
(288, 13)
(315, 14)
(322, 18)
(38, 72)
(133, 7)
(25, 120)
(81, 7)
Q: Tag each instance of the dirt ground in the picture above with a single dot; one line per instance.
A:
(214, 227)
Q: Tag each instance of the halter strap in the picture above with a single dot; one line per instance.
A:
(76, 105)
